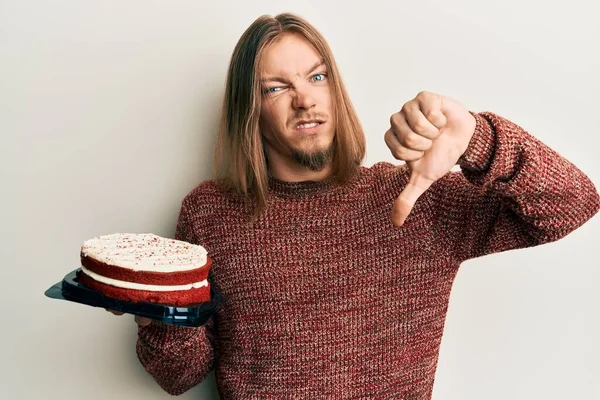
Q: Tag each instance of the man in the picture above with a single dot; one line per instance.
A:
(337, 276)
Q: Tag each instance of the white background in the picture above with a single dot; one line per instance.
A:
(108, 112)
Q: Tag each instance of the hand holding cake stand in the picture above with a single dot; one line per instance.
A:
(152, 277)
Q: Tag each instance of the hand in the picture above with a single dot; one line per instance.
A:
(141, 321)
(430, 133)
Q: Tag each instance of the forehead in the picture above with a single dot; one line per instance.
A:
(291, 54)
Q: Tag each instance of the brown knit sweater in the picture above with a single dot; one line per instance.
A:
(325, 298)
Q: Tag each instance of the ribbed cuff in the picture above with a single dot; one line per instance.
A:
(158, 333)
(480, 151)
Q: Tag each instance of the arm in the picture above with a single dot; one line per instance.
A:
(178, 358)
(513, 192)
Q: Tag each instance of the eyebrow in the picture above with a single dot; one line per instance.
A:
(316, 65)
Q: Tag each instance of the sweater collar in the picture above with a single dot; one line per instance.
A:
(293, 189)
(307, 188)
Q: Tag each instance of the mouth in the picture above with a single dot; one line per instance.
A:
(308, 125)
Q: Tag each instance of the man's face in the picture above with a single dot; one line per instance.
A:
(296, 111)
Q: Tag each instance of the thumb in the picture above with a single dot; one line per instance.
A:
(416, 186)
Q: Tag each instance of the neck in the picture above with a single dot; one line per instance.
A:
(296, 172)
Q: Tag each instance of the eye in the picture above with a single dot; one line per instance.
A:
(272, 90)
(319, 77)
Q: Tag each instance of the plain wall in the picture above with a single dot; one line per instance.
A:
(108, 112)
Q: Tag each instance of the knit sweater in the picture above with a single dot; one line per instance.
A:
(325, 298)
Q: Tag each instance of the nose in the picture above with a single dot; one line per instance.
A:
(303, 100)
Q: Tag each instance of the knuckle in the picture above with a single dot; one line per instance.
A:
(388, 139)
(398, 153)
(423, 94)
(435, 116)
(395, 119)
(419, 126)
(432, 115)
(410, 141)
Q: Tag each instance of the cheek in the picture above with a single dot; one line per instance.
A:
(274, 121)
(277, 113)
(325, 99)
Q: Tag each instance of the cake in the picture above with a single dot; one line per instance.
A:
(143, 267)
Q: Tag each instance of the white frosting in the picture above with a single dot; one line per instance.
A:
(140, 286)
(145, 252)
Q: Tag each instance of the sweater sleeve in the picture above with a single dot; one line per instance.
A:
(512, 192)
(178, 358)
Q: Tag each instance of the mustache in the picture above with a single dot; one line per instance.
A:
(307, 117)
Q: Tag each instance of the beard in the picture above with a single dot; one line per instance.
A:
(315, 161)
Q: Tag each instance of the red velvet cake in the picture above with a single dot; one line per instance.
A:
(145, 267)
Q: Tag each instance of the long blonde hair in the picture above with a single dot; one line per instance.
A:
(239, 162)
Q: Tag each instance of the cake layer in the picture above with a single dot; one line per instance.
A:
(181, 298)
(141, 286)
(147, 277)
(145, 252)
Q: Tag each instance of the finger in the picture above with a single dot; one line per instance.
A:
(114, 312)
(405, 134)
(142, 321)
(418, 122)
(398, 151)
(406, 200)
(431, 106)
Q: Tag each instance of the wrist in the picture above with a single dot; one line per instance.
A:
(480, 149)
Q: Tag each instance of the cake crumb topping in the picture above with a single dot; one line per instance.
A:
(145, 252)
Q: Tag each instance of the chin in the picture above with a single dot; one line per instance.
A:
(311, 150)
